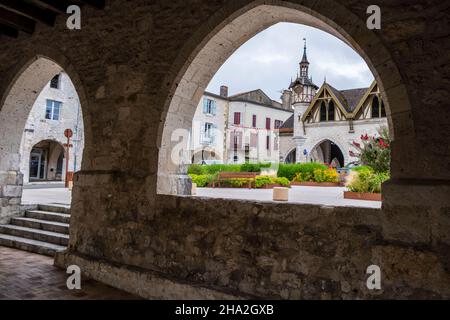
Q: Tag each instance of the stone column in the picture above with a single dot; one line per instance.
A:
(11, 184)
(300, 142)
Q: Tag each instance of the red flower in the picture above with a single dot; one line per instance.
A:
(365, 137)
(356, 144)
(352, 154)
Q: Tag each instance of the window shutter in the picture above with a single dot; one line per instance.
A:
(205, 105)
(214, 107)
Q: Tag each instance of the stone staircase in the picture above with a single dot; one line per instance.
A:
(43, 231)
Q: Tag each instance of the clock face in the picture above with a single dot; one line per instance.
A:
(298, 89)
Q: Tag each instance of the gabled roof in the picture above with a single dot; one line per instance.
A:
(258, 97)
(349, 98)
(363, 98)
(349, 101)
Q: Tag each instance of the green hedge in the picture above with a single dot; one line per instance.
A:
(289, 171)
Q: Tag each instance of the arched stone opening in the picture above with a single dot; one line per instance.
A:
(213, 50)
(328, 152)
(17, 100)
(46, 162)
(291, 156)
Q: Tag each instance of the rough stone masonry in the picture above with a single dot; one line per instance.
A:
(131, 58)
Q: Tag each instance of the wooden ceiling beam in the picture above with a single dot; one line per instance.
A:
(8, 31)
(29, 10)
(17, 21)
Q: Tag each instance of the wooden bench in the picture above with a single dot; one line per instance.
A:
(236, 175)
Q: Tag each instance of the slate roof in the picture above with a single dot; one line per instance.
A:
(303, 81)
(349, 99)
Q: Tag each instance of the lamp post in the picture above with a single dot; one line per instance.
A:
(68, 133)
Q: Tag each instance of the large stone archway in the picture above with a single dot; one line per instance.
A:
(215, 47)
(131, 59)
(16, 102)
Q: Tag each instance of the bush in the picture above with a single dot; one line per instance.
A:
(327, 175)
(366, 181)
(290, 171)
(362, 168)
(374, 152)
(263, 181)
(195, 169)
(201, 180)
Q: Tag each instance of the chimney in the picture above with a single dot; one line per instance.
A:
(224, 91)
(286, 99)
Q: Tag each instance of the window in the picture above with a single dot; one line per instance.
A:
(253, 140)
(275, 143)
(237, 118)
(278, 124)
(323, 112)
(268, 142)
(208, 135)
(268, 123)
(331, 112)
(375, 108)
(383, 110)
(254, 121)
(53, 110)
(54, 83)
(209, 106)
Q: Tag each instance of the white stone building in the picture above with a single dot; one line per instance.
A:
(43, 151)
(237, 129)
(326, 121)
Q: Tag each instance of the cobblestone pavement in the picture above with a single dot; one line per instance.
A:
(29, 276)
(298, 194)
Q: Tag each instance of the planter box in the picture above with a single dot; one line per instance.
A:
(316, 184)
(362, 196)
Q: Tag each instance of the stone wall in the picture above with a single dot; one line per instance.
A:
(129, 61)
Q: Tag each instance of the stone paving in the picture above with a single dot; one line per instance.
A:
(328, 196)
(302, 195)
(28, 276)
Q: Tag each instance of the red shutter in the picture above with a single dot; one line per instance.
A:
(268, 123)
(253, 140)
(237, 118)
(268, 143)
(254, 121)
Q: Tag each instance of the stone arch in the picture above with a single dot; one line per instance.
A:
(17, 97)
(291, 156)
(337, 143)
(55, 148)
(227, 30)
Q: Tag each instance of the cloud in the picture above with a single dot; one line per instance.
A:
(271, 58)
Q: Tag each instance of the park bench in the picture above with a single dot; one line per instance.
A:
(236, 175)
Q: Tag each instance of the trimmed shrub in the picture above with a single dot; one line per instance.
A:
(290, 171)
(201, 180)
(263, 181)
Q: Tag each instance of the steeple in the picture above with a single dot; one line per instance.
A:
(304, 64)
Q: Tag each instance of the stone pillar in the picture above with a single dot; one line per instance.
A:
(11, 183)
(300, 142)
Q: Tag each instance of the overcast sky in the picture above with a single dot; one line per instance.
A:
(270, 59)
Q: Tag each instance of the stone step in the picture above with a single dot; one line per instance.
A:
(35, 246)
(48, 216)
(53, 208)
(41, 224)
(35, 234)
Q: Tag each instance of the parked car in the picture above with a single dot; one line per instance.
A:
(210, 162)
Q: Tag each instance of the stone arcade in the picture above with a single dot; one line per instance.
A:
(140, 69)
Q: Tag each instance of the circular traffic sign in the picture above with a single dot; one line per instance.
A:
(68, 133)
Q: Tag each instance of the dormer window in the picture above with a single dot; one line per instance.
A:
(55, 82)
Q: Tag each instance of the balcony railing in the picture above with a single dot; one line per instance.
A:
(303, 98)
(207, 139)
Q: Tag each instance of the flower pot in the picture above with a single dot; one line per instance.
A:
(362, 196)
